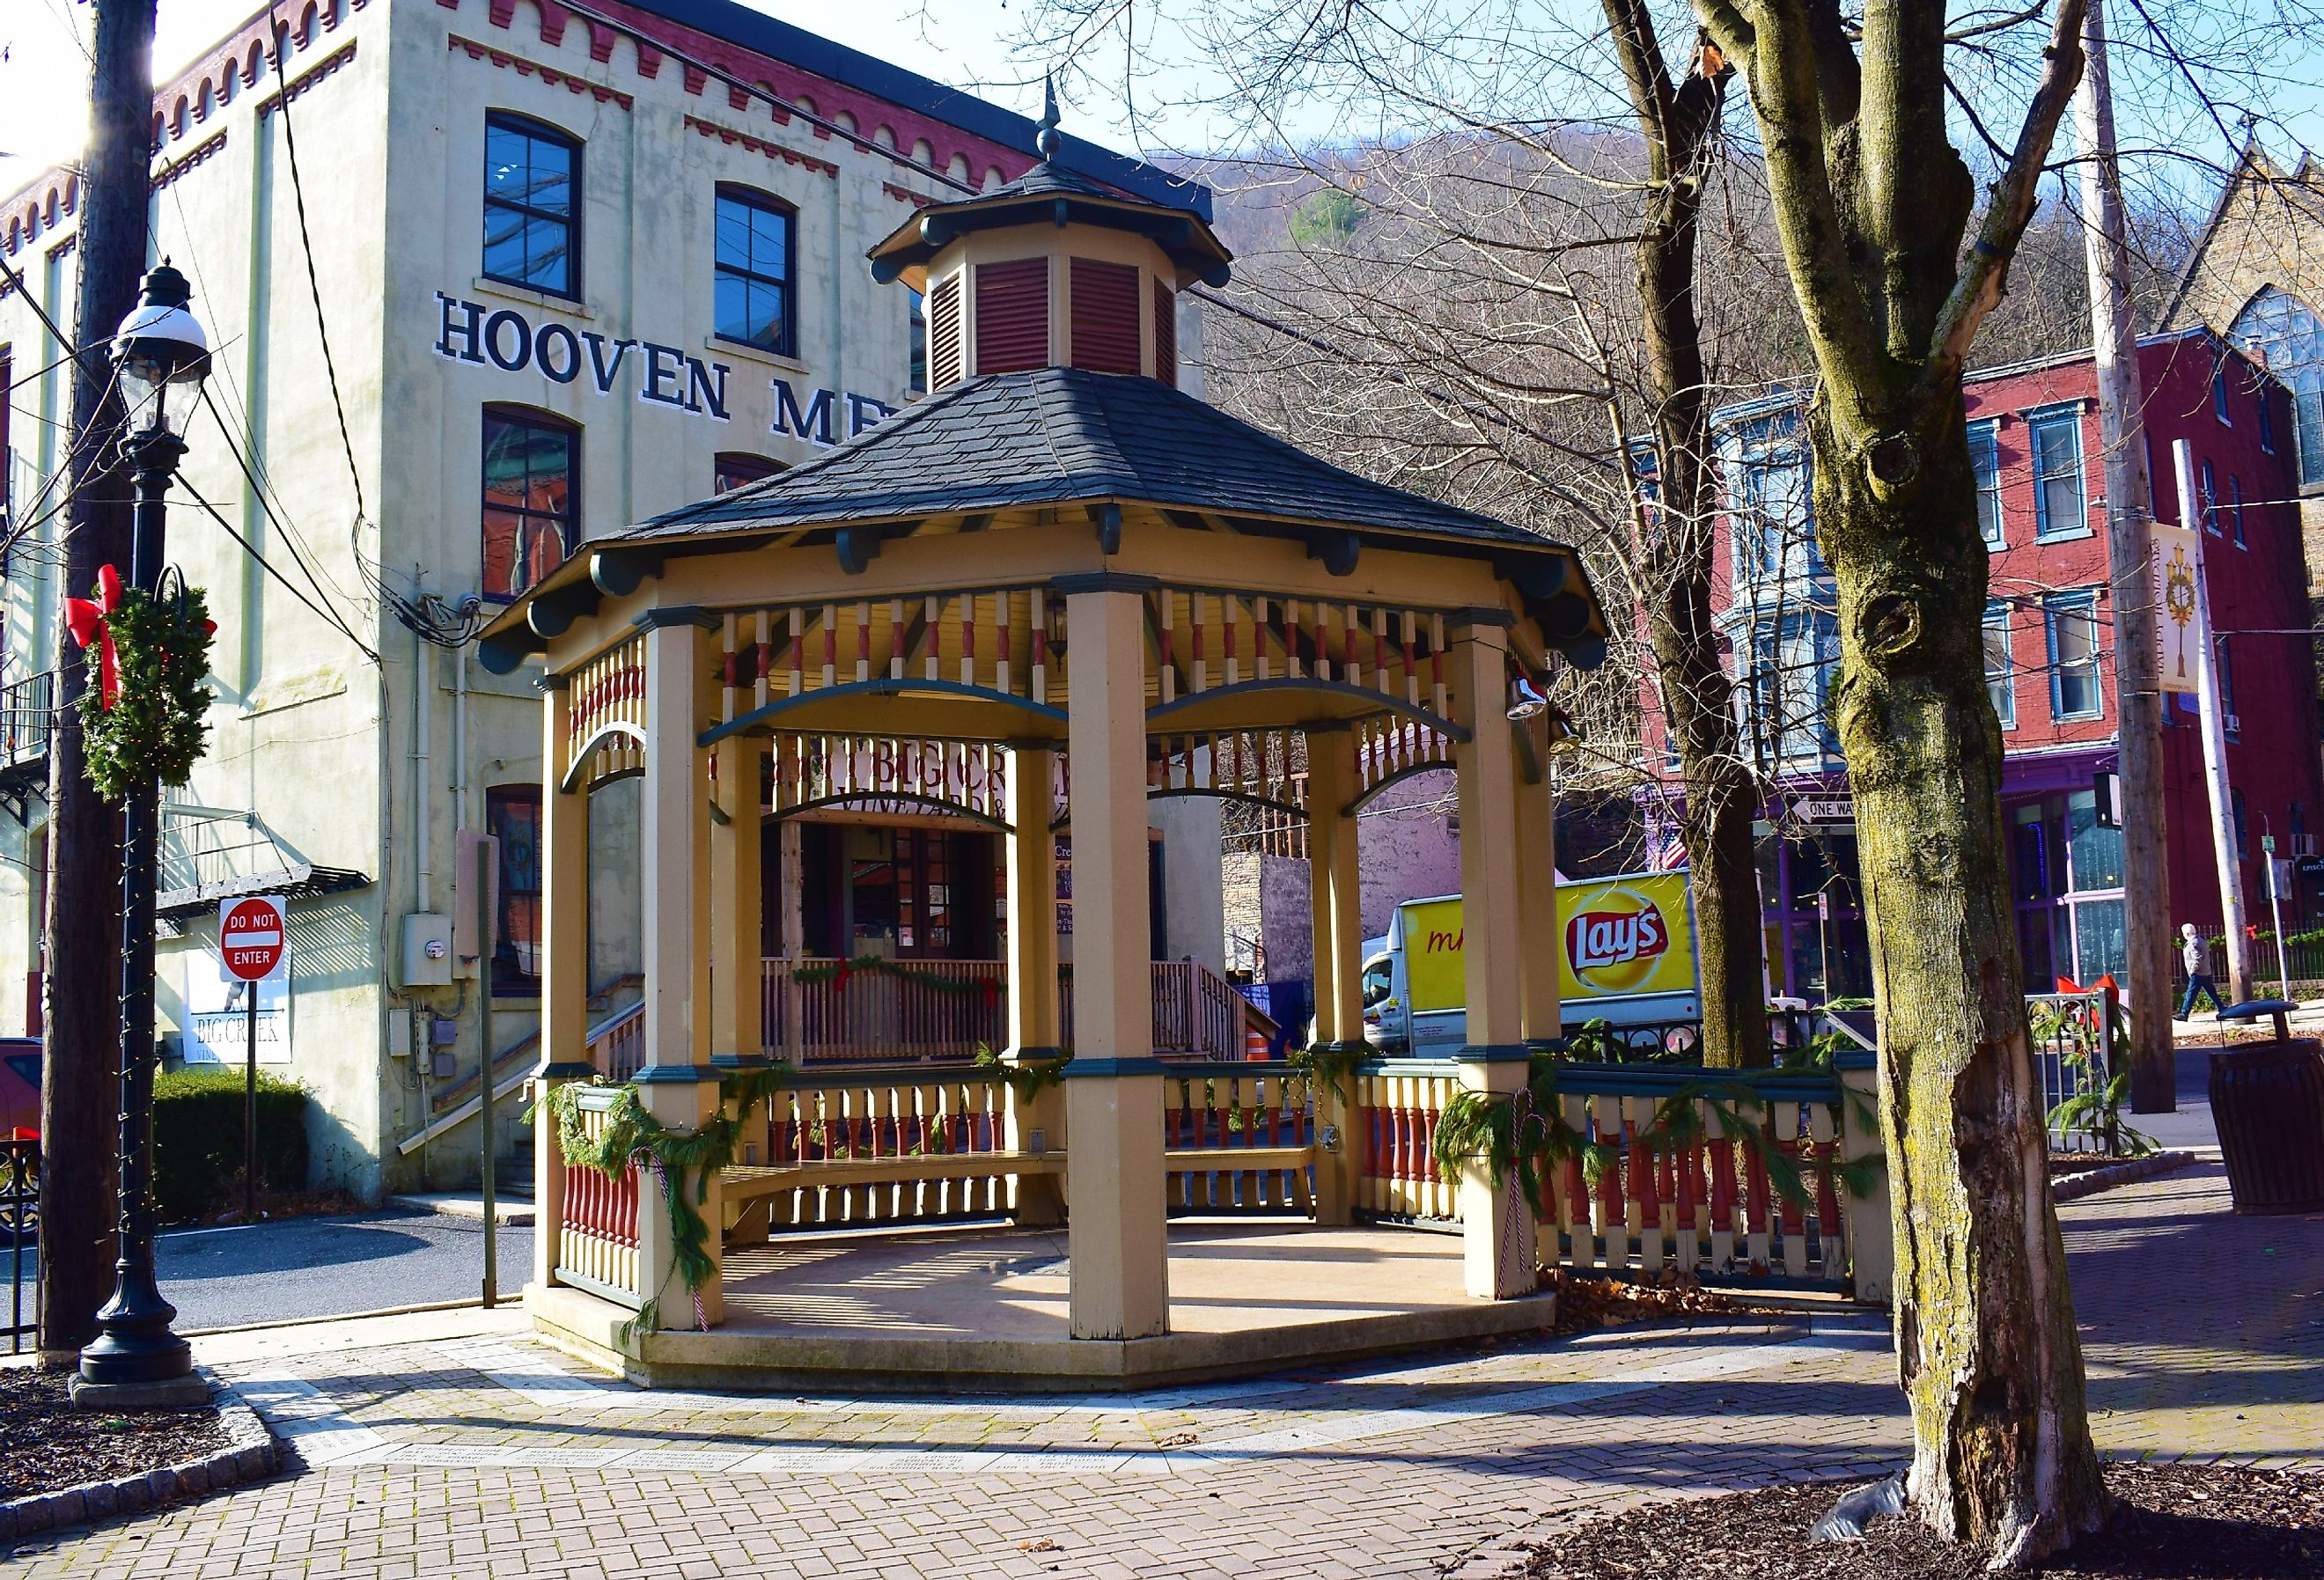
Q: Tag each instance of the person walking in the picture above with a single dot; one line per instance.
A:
(2198, 956)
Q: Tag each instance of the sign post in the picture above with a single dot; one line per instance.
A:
(254, 947)
(479, 873)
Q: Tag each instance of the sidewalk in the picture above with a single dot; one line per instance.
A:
(442, 1437)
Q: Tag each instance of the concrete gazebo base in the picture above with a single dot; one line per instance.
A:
(985, 1310)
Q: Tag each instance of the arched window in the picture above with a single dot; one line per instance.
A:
(531, 497)
(2286, 332)
(754, 297)
(532, 205)
(734, 468)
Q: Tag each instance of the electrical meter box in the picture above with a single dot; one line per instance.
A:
(427, 950)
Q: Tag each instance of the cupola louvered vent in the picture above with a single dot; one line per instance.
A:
(1166, 334)
(944, 368)
(1105, 316)
(1012, 316)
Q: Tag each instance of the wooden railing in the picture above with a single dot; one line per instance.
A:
(1708, 1205)
(888, 1147)
(597, 1233)
(1397, 1102)
(1242, 1141)
(938, 1012)
(617, 1044)
(819, 1011)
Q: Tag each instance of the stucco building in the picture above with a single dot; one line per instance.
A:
(574, 268)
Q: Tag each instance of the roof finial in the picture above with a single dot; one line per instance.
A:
(1046, 140)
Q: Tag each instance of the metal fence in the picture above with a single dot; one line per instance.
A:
(20, 1218)
(2073, 1040)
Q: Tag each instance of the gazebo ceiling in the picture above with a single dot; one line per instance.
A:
(1053, 437)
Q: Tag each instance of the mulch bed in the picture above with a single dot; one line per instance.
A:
(2170, 1522)
(1585, 1304)
(51, 1445)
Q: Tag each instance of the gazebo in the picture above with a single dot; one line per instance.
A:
(1052, 591)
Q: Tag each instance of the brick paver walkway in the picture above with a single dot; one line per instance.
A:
(494, 1457)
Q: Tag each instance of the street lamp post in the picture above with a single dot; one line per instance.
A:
(161, 356)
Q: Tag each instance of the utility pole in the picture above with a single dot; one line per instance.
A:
(79, 1088)
(2215, 741)
(2130, 551)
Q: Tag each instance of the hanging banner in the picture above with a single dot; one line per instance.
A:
(2175, 563)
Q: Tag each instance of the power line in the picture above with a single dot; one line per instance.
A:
(327, 617)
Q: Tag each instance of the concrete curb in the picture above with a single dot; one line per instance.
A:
(2074, 1187)
(250, 1454)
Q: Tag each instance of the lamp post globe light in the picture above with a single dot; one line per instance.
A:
(160, 356)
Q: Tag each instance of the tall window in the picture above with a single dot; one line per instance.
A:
(531, 498)
(2206, 488)
(2226, 668)
(1999, 681)
(532, 181)
(1985, 460)
(2219, 408)
(2241, 822)
(2055, 438)
(513, 813)
(1775, 522)
(2072, 626)
(1795, 660)
(919, 329)
(2235, 509)
(753, 303)
(2266, 410)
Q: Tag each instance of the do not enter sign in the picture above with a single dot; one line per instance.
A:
(254, 943)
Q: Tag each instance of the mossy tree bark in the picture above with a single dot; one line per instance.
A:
(1674, 539)
(1872, 205)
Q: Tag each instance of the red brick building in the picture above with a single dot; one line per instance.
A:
(2034, 431)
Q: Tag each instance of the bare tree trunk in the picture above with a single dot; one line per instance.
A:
(1872, 205)
(1676, 544)
(80, 1081)
(1985, 1326)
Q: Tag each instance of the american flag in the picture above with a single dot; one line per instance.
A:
(1666, 847)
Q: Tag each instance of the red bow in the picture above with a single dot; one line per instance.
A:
(89, 620)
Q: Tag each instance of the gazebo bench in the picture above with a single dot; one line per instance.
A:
(750, 1182)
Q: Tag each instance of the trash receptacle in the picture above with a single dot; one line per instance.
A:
(2267, 1099)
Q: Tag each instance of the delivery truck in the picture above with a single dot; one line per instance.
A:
(1626, 954)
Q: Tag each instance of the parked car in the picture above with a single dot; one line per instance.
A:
(20, 1086)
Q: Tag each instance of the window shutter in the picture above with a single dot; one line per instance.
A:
(1012, 316)
(1166, 334)
(1105, 316)
(944, 333)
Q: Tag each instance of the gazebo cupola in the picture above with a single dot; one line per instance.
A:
(1051, 271)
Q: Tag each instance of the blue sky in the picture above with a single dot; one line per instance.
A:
(965, 42)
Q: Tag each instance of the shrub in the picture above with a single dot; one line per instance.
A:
(198, 1138)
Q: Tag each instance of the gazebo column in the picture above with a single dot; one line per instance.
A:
(1114, 1082)
(564, 965)
(1495, 1220)
(1033, 1039)
(1335, 895)
(736, 1033)
(677, 1084)
(1541, 942)
(790, 916)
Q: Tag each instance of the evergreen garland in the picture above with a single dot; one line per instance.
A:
(155, 729)
(1526, 1132)
(1024, 1081)
(632, 1137)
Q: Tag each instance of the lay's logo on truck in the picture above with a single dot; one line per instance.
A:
(1616, 944)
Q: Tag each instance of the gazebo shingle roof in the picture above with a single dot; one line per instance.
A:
(1059, 436)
